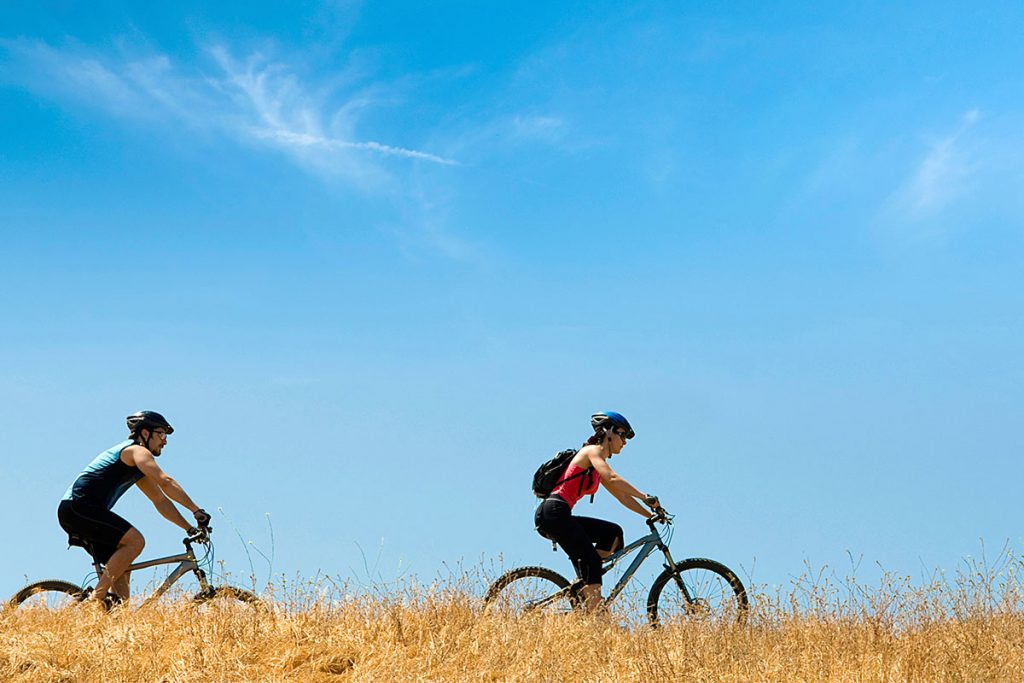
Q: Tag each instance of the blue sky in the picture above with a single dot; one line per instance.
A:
(377, 261)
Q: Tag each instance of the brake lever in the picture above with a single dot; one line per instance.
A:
(202, 535)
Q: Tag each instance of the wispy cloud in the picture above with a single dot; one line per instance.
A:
(492, 134)
(292, 139)
(942, 176)
(255, 100)
(966, 182)
(538, 127)
(954, 184)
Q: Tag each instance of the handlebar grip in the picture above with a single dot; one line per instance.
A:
(660, 515)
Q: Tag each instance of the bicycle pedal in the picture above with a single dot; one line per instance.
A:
(112, 600)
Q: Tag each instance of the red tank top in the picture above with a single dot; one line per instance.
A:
(570, 491)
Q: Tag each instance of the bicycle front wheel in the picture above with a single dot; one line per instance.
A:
(531, 589)
(222, 597)
(697, 589)
(52, 594)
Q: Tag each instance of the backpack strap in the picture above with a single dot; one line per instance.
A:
(578, 474)
(590, 477)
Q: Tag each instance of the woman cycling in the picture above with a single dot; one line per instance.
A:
(584, 539)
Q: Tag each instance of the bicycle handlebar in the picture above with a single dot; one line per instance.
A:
(201, 535)
(660, 516)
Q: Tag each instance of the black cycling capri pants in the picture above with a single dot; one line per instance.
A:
(577, 536)
(92, 527)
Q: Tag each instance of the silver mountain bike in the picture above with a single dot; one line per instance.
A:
(55, 593)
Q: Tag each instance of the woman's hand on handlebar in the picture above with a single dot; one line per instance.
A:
(659, 517)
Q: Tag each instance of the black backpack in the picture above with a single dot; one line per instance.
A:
(548, 474)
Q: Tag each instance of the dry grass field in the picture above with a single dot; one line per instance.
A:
(967, 628)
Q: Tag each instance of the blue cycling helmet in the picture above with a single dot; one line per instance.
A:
(610, 418)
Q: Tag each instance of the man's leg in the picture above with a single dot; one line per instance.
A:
(122, 585)
(116, 571)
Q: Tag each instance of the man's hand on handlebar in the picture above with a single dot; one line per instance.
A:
(202, 518)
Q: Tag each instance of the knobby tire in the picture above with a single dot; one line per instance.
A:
(227, 593)
(527, 585)
(54, 587)
(715, 590)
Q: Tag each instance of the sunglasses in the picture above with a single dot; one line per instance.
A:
(621, 434)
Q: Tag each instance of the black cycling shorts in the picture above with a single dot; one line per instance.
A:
(92, 527)
(578, 536)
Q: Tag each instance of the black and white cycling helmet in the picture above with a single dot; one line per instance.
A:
(147, 419)
(610, 419)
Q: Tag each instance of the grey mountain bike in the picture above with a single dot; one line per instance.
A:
(55, 594)
(692, 589)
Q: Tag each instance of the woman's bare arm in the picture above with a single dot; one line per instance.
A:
(624, 492)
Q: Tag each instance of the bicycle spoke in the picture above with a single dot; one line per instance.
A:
(704, 595)
(47, 595)
(532, 594)
(531, 589)
(48, 600)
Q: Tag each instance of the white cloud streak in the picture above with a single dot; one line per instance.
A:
(291, 138)
(942, 176)
(256, 102)
(966, 180)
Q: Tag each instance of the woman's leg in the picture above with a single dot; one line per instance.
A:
(592, 597)
(556, 520)
(606, 536)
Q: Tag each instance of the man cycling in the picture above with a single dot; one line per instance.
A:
(85, 512)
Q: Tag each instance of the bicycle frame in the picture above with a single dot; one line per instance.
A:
(647, 544)
(187, 563)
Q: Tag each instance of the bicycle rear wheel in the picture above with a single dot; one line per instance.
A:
(531, 589)
(51, 594)
(697, 589)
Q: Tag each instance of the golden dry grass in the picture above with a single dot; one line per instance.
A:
(968, 629)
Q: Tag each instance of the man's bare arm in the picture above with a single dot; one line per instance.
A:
(162, 503)
(146, 463)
